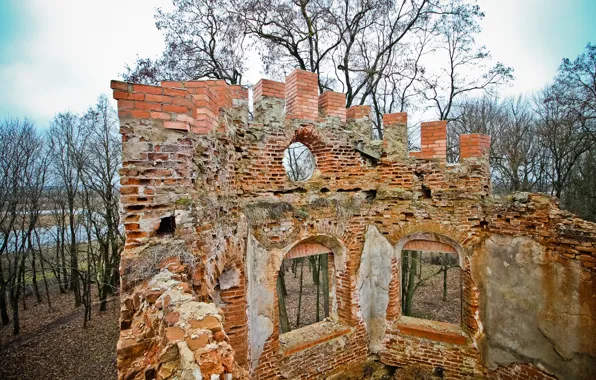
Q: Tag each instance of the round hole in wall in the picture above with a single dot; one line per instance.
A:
(299, 162)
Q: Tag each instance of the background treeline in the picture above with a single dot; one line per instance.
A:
(418, 56)
(59, 216)
(543, 142)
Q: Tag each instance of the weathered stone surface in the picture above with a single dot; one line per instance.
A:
(535, 310)
(209, 323)
(174, 333)
(197, 341)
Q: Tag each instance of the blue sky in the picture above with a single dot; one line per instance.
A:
(58, 55)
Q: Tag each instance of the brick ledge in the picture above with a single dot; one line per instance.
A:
(314, 330)
(431, 330)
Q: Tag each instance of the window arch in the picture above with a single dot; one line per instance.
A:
(304, 284)
(430, 268)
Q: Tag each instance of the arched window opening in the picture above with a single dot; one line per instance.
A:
(299, 162)
(303, 286)
(431, 281)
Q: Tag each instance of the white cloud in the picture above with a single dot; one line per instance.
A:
(74, 50)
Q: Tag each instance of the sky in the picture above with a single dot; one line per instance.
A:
(59, 55)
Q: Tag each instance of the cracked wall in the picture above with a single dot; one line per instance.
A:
(549, 320)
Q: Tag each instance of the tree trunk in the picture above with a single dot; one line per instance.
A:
(34, 279)
(445, 284)
(14, 303)
(300, 293)
(86, 296)
(74, 259)
(3, 306)
(318, 287)
(24, 286)
(67, 284)
(14, 297)
(325, 280)
(282, 276)
(284, 323)
(313, 261)
(57, 271)
(413, 268)
(405, 267)
(45, 280)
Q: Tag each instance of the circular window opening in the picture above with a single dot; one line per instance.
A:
(299, 162)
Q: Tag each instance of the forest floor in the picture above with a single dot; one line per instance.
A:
(428, 299)
(53, 344)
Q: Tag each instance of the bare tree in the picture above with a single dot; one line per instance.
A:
(577, 83)
(580, 194)
(563, 138)
(98, 167)
(465, 70)
(65, 139)
(23, 178)
(515, 153)
(203, 40)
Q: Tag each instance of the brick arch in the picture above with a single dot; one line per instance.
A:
(309, 136)
(430, 241)
(452, 235)
(316, 244)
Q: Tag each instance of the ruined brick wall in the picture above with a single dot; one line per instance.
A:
(190, 154)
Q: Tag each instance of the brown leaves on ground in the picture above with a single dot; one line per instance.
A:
(54, 345)
(428, 299)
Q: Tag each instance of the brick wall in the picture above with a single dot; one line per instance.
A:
(235, 321)
(189, 153)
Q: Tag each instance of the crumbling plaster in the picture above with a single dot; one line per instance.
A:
(534, 309)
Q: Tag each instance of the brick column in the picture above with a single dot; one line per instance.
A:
(266, 88)
(269, 100)
(474, 145)
(302, 96)
(395, 139)
(358, 113)
(333, 104)
(433, 137)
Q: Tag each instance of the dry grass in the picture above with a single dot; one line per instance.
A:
(145, 264)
